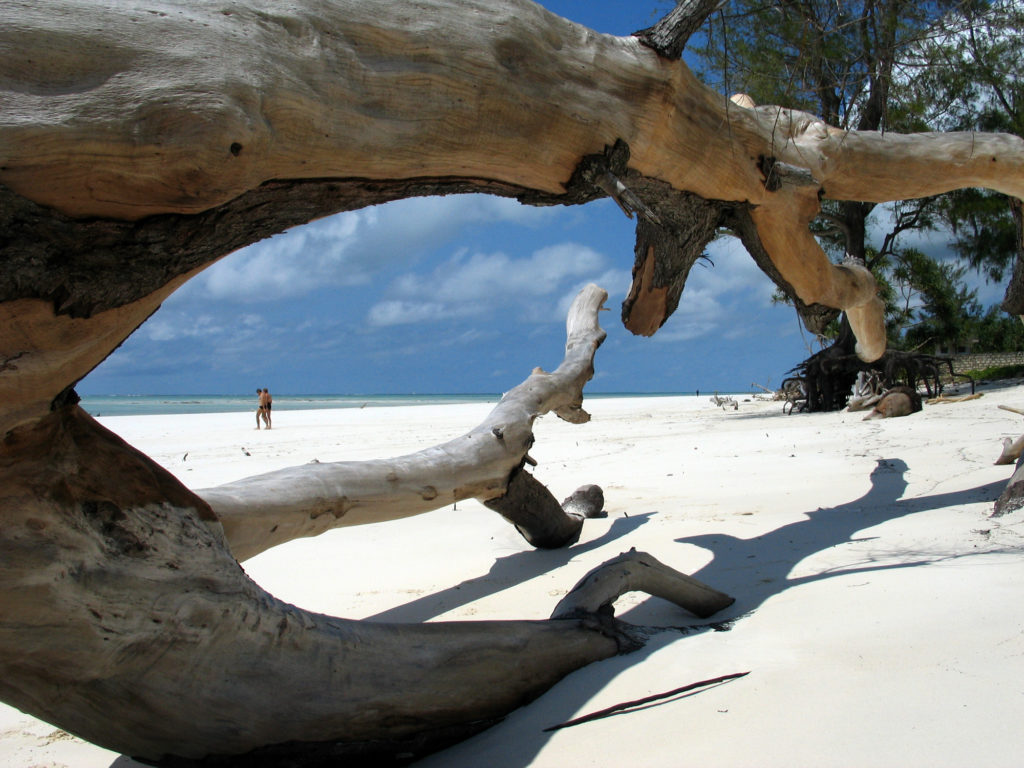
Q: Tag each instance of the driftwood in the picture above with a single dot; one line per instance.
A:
(140, 143)
(724, 402)
(867, 390)
(486, 463)
(127, 620)
(1012, 449)
(953, 398)
(627, 705)
(1012, 497)
(835, 378)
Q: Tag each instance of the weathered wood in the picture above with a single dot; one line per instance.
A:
(1012, 449)
(639, 572)
(140, 142)
(111, 138)
(627, 705)
(542, 521)
(669, 36)
(266, 510)
(1011, 452)
(1012, 497)
(125, 618)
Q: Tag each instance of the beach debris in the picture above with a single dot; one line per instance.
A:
(245, 451)
(627, 705)
(941, 399)
(185, 457)
(898, 401)
(867, 391)
(724, 402)
(766, 394)
(156, 657)
(1012, 497)
(1012, 449)
(794, 392)
(587, 502)
(634, 571)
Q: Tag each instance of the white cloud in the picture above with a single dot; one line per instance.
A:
(348, 248)
(386, 313)
(488, 276)
(474, 284)
(615, 281)
(700, 313)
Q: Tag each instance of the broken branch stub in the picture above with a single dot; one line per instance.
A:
(639, 572)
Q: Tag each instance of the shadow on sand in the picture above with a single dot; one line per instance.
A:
(506, 572)
(752, 570)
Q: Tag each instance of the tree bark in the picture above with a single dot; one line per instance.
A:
(1012, 497)
(669, 36)
(183, 112)
(140, 143)
(126, 619)
(1013, 301)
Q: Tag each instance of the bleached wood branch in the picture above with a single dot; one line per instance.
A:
(1012, 449)
(186, 112)
(263, 511)
(125, 620)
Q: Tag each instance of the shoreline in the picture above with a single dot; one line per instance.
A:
(188, 404)
(872, 585)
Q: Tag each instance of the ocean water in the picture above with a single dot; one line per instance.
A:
(142, 405)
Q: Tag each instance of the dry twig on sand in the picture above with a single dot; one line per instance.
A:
(646, 700)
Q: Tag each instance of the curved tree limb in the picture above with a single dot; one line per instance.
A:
(150, 140)
(639, 572)
(124, 619)
(185, 111)
(266, 510)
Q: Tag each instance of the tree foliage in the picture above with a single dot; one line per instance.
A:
(970, 79)
(894, 65)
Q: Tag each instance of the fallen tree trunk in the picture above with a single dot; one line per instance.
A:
(140, 143)
(192, 122)
(126, 619)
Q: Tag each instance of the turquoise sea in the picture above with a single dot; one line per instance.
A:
(141, 405)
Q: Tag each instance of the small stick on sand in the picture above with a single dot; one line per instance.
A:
(959, 399)
(647, 700)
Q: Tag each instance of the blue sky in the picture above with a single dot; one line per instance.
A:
(452, 295)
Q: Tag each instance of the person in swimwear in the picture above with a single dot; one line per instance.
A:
(266, 403)
(260, 410)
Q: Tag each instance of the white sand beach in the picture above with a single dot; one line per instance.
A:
(878, 606)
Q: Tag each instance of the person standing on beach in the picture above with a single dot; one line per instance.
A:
(259, 409)
(266, 401)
